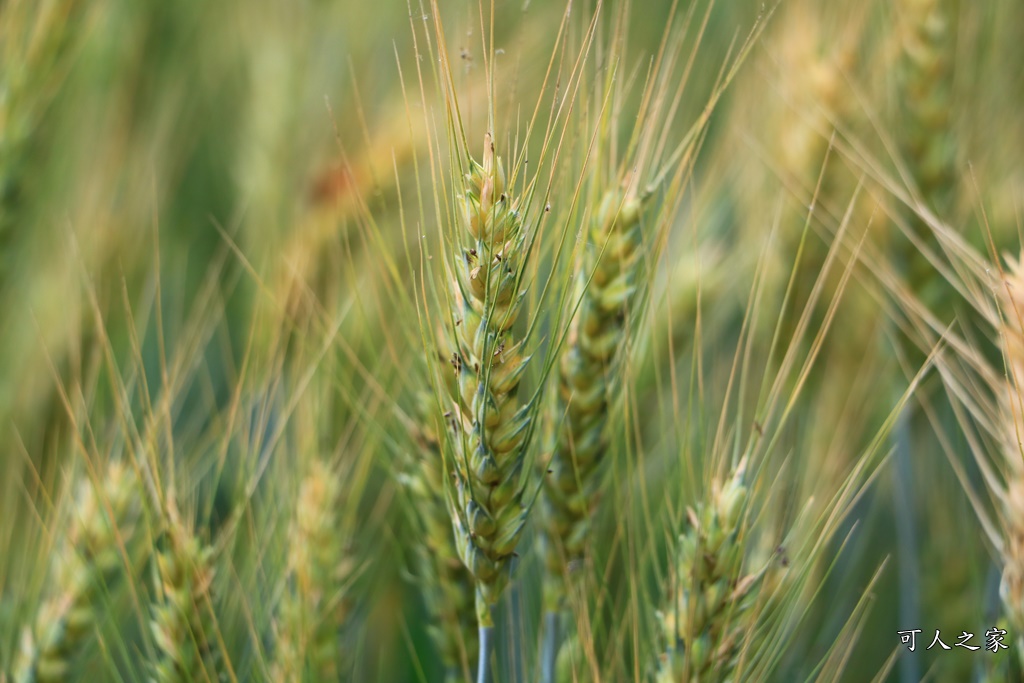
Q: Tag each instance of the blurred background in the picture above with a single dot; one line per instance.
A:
(211, 223)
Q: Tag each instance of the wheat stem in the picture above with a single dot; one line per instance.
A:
(483, 671)
(549, 650)
(906, 534)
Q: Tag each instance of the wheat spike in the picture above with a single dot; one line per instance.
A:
(490, 446)
(928, 143)
(183, 622)
(1012, 587)
(713, 595)
(447, 585)
(927, 73)
(38, 40)
(315, 605)
(587, 379)
(88, 560)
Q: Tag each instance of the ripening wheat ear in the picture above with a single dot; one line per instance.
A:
(712, 590)
(588, 374)
(1012, 588)
(812, 77)
(490, 440)
(927, 78)
(38, 40)
(102, 523)
(315, 604)
(183, 621)
(926, 134)
(447, 585)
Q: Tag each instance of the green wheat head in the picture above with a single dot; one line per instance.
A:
(707, 621)
(315, 605)
(447, 586)
(588, 378)
(183, 620)
(926, 132)
(102, 523)
(491, 428)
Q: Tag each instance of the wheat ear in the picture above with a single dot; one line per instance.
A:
(928, 143)
(37, 40)
(315, 605)
(102, 523)
(183, 620)
(487, 506)
(712, 593)
(587, 378)
(1012, 586)
(448, 587)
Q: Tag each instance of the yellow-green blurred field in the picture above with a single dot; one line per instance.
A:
(511, 340)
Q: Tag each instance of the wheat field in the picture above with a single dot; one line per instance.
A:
(497, 341)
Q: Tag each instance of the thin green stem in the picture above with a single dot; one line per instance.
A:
(549, 651)
(483, 671)
(906, 537)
